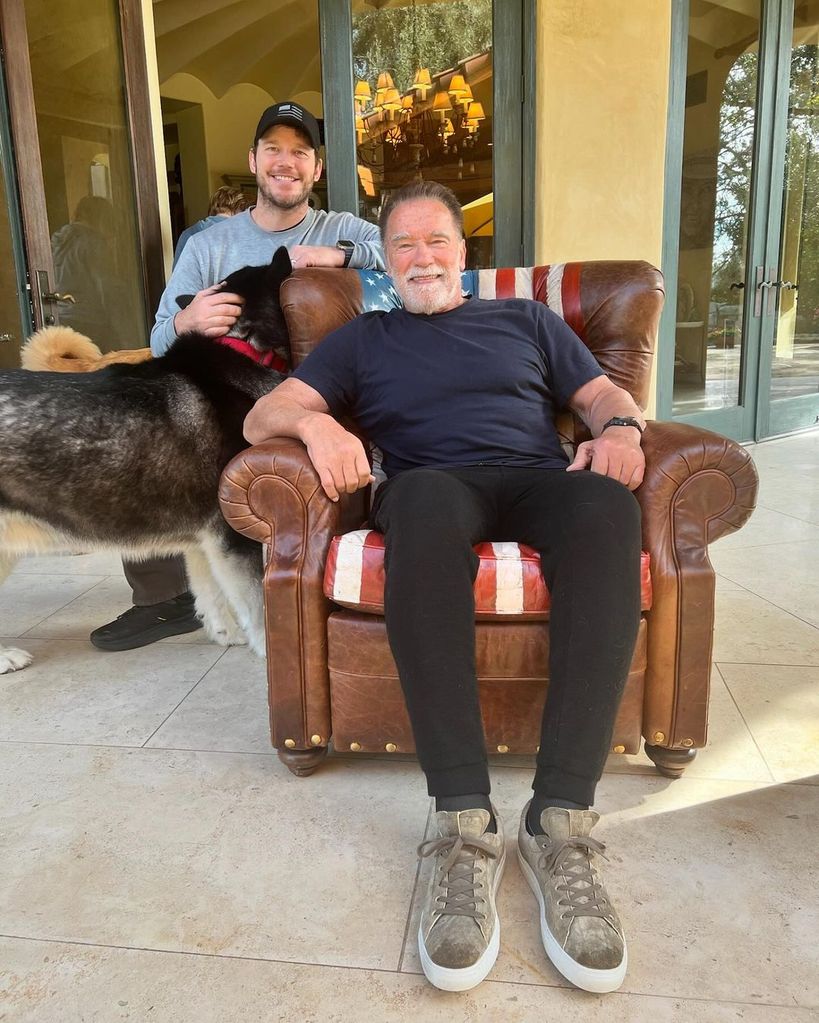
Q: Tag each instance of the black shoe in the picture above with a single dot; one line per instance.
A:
(140, 626)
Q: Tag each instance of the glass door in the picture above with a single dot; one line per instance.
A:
(790, 379)
(70, 128)
(746, 336)
(15, 313)
(440, 90)
(424, 107)
(715, 330)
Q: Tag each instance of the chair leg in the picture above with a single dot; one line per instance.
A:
(670, 762)
(302, 762)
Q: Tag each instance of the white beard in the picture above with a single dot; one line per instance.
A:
(430, 299)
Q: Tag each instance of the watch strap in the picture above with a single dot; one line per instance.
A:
(347, 248)
(623, 421)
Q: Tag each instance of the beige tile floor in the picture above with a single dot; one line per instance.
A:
(157, 863)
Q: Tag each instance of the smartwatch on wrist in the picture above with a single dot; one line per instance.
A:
(347, 248)
(623, 421)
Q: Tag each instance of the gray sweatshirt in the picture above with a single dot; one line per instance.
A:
(209, 256)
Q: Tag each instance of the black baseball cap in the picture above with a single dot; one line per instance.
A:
(293, 114)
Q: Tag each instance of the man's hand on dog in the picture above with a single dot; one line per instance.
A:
(616, 453)
(212, 312)
(338, 456)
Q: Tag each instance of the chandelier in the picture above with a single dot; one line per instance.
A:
(440, 105)
(447, 105)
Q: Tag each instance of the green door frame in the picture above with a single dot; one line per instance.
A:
(750, 419)
(513, 45)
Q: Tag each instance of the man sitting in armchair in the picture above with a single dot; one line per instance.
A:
(460, 395)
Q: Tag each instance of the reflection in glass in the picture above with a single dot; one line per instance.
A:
(77, 74)
(795, 368)
(423, 97)
(10, 329)
(720, 120)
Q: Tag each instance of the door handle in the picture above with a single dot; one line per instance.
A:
(45, 299)
(761, 286)
(789, 285)
(739, 285)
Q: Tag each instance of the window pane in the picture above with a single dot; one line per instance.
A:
(720, 119)
(76, 69)
(423, 74)
(11, 330)
(795, 368)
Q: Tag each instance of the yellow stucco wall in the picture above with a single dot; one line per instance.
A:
(602, 93)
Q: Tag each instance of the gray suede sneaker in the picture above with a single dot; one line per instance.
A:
(580, 929)
(459, 935)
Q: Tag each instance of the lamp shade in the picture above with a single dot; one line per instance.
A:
(422, 83)
(457, 85)
(362, 92)
(441, 104)
(466, 97)
(392, 100)
(475, 112)
(385, 81)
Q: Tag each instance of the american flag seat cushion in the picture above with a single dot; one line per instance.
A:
(509, 583)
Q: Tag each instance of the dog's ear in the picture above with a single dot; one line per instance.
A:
(183, 301)
(280, 265)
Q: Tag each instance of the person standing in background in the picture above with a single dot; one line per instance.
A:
(225, 202)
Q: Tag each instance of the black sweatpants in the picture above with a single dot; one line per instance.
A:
(586, 528)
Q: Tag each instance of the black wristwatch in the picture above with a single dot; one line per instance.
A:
(623, 421)
(347, 248)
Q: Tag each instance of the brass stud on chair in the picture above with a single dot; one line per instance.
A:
(688, 743)
(503, 748)
(537, 749)
(619, 749)
(355, 747)
(658, 737)
(290, 743)
(316, 740)
(391, 747)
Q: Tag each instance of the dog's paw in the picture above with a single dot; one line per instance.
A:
(224, 634)
(13, 660)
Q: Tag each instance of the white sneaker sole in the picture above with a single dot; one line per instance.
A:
(584, 977)
(469, 976)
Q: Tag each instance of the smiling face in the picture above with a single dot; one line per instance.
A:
(425, 256)
(286, 168)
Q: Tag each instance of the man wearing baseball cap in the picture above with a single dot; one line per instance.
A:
(285, 160)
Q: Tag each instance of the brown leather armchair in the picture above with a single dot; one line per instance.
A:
(330, 671)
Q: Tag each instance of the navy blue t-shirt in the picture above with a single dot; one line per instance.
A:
(478, 385)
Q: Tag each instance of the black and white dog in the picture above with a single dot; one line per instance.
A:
(128, 458)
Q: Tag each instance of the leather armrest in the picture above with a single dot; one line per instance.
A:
(271, 493)
(698, 486)
(701, 485)
(266, 485)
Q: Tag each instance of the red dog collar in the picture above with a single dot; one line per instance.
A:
(268, 359)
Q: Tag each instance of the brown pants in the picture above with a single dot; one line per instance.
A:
(156, 579)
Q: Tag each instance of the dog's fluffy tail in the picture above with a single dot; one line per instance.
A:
(60, 350)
